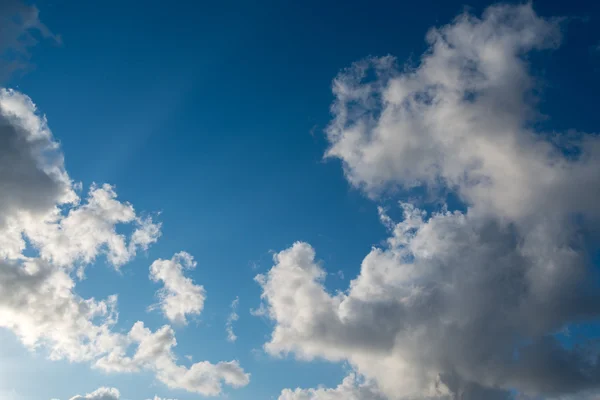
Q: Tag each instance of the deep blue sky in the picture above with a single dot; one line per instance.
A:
(212, 114)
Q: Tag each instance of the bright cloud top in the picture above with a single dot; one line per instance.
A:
(456, 304)
(180, 296)
(41, 212)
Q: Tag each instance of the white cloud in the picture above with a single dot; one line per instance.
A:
(41, 214)
(103, 393)
(34, 179)
(441, 310)
(36, 300)
(89, 229)
(180, 296)
(456, 304)
(349, 389)
(460, 121)
(154, 352)
(231, 336)
(39, 201)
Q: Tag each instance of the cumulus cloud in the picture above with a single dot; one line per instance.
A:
(90, 229)
(233, 316)
(19, 21)
(39, 200)
(459, 121)
(48, 234)
(349, 389)
(180, 296)
(34, 179)
(154, 352)
(103, 393)
(457, 304)
(36, 300)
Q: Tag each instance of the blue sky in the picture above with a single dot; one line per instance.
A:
(210, 117)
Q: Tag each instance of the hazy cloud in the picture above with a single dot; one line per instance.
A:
(20, 28)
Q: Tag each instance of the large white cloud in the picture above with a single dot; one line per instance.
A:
(459, 121)
(456, 304)
(48, 234)
(180, 296)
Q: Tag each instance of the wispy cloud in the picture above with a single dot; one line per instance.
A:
(233, 316)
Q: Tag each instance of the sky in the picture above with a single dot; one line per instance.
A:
(299, 200)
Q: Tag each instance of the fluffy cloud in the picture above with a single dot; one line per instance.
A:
(90, 229)
(36, 301)
(37, 188)
(102, 393)
(456, 304)
(231, 336)
(49, 234)
(34, 179)
(459, 121)
(349, 389)
(179, 296)
(154, 352)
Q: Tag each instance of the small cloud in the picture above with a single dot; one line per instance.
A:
(180, 296)
(231, 336)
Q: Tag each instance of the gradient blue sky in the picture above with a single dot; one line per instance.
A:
(212, 113)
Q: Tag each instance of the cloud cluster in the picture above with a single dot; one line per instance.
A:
(154, 352)
(457, 304)
(49, 234)
(179, 296)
